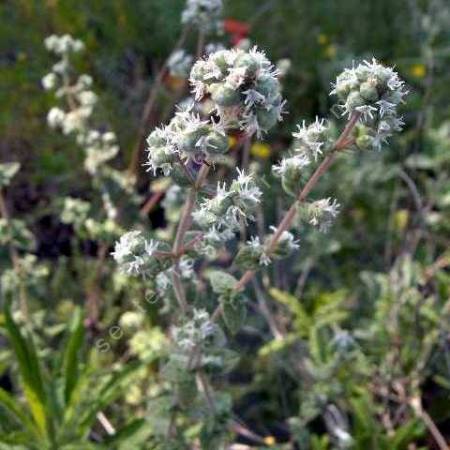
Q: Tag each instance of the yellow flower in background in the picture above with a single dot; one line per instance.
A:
(330, 51)
(418, 70)
(232, 141)
(322, 39)
(269, 440)
(260, 150)
(401, 219)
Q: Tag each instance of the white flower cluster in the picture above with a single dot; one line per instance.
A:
(78, 94)
(322, 213)
(204, 14)
(244, 87)
(76, 119)
(255, 253)
(310, 142)
(375, 92)
(185, 137)
(63, 45)
(185, 270)
(99, 148)
(290, 171)
(180, 64)
(200, 330)
(75, 211)
(135, 255)
(221, 214)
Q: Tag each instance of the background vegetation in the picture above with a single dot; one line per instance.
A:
(347, 345)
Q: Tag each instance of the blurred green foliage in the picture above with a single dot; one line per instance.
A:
(361, 338)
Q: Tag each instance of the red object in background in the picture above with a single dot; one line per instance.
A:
(238, 30)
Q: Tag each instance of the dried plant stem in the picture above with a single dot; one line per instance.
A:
(148, 108)
(416, 404)
(206, 388)
(15, 258)
(183, 227)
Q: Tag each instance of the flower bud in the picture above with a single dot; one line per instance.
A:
(224, 95)
(216, 143)
(368, 91)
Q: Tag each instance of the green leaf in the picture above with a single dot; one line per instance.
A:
(107, 394)
(130, 436)
(406, 434)
(71, 355)
(221, 282)
(30, 372)
(16, 410)
(302, 320)
(234, 311)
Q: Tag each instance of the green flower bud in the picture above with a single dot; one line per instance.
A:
(220, 60)
(248, 257)
(249, 62)
(190, 139)
(216, 143)
(364, 142)
(268, 86)
(354, 100)
(220, 205)
(267, 118)
(160, 156)
(225, 95)
(368, 91)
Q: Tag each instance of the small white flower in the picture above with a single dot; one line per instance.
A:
(87, 98)
(49, 81)
(311, 138)
(55, 117)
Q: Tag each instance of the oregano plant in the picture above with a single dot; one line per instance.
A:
(237, 92)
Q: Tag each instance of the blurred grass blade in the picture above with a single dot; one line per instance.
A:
(71, 355)
(29, 370)
(16, 410)
(131, 435)
(108, 393)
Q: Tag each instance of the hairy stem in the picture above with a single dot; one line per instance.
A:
(183, 227)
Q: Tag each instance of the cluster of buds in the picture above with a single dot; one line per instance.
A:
(200, 330)
(137, 256)
(78, 94)
(221, 215)
(186, 137)
(322, 213)
(373, 91)
(254, 253)
(204, 14)
(311, 141)
(63, 45)
(243, 86)
(100, 148)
